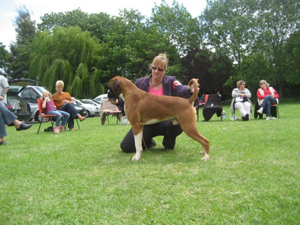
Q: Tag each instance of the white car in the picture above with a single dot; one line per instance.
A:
(92, 109)
(100, 98)
(91, 101)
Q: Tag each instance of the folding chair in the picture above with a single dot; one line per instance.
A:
(107, 109)
(212, 105)
(274, 111)
(44, 116)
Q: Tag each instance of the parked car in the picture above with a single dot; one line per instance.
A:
(91, 101)
(92, 109)
(100, 98)
(30, 93)
(17, 105)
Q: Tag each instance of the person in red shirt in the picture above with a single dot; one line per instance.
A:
(266, 96)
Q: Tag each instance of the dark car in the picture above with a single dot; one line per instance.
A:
(18, 105)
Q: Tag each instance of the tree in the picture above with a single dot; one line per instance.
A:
(25, 29)
(212, 70)
(177, 24)
(97, 24)
(228, 25)
(276, 21)
(130, 46)
(3, 58)
(291, 61)
(67, 54)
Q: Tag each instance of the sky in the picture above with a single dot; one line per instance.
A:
(38, 8)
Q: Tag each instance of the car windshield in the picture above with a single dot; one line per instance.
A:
(41, 89)
(99, 100)
(86, 102)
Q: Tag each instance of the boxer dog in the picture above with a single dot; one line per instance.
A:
(143, 108)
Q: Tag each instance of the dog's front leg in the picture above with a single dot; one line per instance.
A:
(138, 145)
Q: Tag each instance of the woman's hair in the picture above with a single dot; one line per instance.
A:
(46, 93)
(239, 83)
(162, 60)
(264, 82)
(59, 83)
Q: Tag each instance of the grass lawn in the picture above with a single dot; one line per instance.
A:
(82, 177)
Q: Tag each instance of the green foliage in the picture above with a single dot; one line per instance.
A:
(82, 177)
(4, 55)
(87, 50)
(212, 70)
(19, 59)
(292, 60)
(70, 56)
(178, 25)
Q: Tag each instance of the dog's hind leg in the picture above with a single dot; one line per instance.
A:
(192, 132)
(138, 143)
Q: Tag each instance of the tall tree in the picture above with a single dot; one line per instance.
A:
(3, 58)
(212, 70)
(67, 54)
(98, 24)
(276, 21)
(20, 50)
(229, 27)
(178, 25)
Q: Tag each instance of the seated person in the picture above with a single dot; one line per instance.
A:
(241, 100)
(63, 101)
(7, 118)
(50, 108)
(266, 96)
(158, 84)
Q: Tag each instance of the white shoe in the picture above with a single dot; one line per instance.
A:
(268, 118)
(260, 111)
(273, 118)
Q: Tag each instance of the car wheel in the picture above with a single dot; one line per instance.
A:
(88, 113)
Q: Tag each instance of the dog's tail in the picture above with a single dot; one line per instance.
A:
(195, 94)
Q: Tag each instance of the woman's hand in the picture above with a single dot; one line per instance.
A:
(65, 101)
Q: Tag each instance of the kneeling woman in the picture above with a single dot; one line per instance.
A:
(64, 102)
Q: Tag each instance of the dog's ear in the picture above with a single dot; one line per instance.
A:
(115, 85)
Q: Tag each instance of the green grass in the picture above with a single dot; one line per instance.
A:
(82, 177)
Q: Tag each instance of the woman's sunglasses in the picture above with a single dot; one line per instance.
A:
(156, 68)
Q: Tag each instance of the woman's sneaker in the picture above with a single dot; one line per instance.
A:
(260, 111)
(268, 118)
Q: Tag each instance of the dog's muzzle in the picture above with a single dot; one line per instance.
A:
(111, 95)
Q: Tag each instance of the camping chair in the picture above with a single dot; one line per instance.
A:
(43, 117)
(212, 105)
(107, 109)
(233, 116)
(274, 111)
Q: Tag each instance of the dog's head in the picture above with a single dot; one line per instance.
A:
(114, 89)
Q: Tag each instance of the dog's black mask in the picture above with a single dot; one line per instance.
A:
(111, 95)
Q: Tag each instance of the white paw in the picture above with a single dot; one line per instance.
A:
(202, 152)
(136, 157)
(205, 158)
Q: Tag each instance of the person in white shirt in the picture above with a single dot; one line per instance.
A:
(241, 100)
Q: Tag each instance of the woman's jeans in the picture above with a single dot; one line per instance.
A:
(70, 108)
(266, 104)
(6, 117)
(59, 114)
